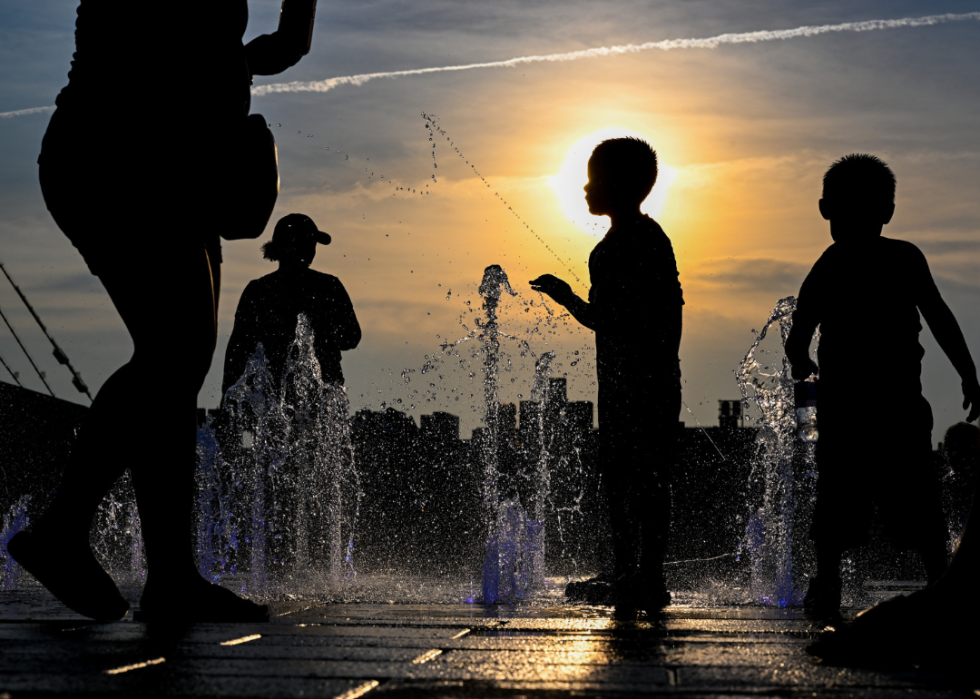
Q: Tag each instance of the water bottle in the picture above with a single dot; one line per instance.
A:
(296, 22)
(805, 398)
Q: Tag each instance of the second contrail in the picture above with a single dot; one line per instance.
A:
(665, 45)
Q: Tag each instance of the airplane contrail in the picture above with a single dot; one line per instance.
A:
(664, 45)
(25, 112)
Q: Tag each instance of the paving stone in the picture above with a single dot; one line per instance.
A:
(446, 651)
(559, 656)
(255, 651)
(749, 654)
(798, 676)
(258, 687)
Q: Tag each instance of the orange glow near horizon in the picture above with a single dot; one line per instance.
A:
(568, 184)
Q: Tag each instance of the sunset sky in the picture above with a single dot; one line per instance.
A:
(744, 133)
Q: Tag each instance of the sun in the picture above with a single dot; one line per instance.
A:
(568, 183)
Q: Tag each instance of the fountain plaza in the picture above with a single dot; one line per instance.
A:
(401, 559)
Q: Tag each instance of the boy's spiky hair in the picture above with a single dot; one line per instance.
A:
(860, 176)
(632, 161)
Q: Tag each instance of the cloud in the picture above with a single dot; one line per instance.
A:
(598, 52)
(753, 275)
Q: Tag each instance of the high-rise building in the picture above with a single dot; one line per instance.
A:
(507, 417)
(579, 416)
(558, 391)
(440, 426)
(729, 414)
(530, 429)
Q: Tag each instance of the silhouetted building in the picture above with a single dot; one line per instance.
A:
(579, 416)
(507, 417)
(530, 423)
(730, 414)
(440, 426)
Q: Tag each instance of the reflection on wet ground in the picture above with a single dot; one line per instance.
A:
(448, 650)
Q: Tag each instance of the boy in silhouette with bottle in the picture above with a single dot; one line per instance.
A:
(875, 445)
(634, 307)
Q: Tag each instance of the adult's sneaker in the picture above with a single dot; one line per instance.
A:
(592, 591)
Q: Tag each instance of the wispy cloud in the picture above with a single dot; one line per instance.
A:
(25, 112)
(665, 45)
(758, 275)
(598, 52)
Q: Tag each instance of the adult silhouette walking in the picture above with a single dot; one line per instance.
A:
(148, 159)
(270, 306)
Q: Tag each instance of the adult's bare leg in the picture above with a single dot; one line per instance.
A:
(167, 303)
(144, 418)
(174, 346)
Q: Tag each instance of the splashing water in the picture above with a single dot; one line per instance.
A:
(116, 534)
(235, 464)
(278, 491)
(514, 561)
(505, 519)
(539, 392)
(14, 521)
(765, 381)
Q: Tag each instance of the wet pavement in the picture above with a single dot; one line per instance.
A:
(406, 650)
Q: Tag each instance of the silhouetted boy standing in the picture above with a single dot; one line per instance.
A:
(634, 308)
(875, 445)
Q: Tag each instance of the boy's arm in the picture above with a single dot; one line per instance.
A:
(798, 347)
(805, 322)
(645, 286)
(946, 330)
(562, 293)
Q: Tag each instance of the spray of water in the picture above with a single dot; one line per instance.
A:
(278, 491)
(14, 521)
(765, 381)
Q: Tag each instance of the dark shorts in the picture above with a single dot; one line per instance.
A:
(885, 464)
(638, 428)
(638, 439)
(118, 201)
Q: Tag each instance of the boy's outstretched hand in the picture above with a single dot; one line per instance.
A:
(971, 398)
(554, 287)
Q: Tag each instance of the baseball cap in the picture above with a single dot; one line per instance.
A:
(297, 226)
